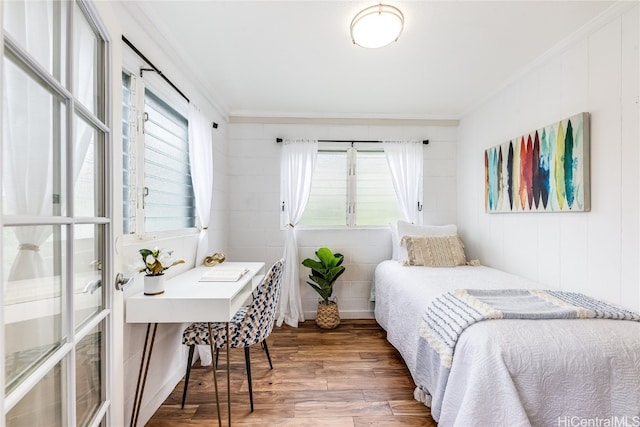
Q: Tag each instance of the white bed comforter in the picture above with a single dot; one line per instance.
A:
(516, 372)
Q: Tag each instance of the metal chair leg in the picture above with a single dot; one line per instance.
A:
(144, 365)
(217, 354)
(186, 377)
(247, 359)
(266, 350)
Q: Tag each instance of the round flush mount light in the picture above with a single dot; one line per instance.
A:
(377, 26)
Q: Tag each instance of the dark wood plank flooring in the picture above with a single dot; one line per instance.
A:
(349, 376)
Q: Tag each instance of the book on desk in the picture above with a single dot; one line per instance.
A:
(218, 274)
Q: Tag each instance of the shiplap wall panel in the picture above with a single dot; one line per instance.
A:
(630, 138)
(254, 203)
(594, 252)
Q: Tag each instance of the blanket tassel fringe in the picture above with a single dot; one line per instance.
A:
(422, 396)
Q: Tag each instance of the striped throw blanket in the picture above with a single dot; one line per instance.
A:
(453, 312)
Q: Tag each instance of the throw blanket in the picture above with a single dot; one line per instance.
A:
(451, 313)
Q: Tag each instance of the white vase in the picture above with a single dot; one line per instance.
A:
(154, 285)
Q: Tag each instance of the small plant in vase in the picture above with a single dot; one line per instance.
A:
(324, 273)
(155, 262)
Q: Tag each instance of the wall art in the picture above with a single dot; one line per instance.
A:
(546, 170)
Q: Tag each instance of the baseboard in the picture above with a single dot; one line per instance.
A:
(345, 314)
(147, 411)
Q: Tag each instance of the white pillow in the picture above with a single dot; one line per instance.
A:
(395, 241)
(407, 229)
(434, 251)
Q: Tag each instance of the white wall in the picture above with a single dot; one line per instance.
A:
(254, 203)
(169, 356)
(596, 252)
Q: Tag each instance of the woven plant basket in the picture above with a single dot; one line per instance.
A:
(328, 316)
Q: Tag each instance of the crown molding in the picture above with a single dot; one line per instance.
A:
(352, 121)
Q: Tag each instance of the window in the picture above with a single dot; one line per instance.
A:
(157, 189)
(351, 188)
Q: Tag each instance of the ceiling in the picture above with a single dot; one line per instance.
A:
(296, 59)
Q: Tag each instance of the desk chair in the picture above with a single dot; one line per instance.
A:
(250, 325)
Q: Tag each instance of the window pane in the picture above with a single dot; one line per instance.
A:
(44, 404)
(87, 173)
(87, 270)
(89, 382)
(85, 61)
(32, 151)
(169, 203)
(33, 269)
(39, 28)
(328, 200)
(128, 160)
(376, 202)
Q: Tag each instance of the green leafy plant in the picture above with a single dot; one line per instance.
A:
(156, 261)
(324, 272)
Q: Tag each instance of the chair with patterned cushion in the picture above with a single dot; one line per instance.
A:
(250, 325)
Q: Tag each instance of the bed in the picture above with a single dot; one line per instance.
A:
(514, 372)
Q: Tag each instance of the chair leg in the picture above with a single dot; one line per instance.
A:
(186, 377)
(266, 351)
(247, 359)
(215, 366)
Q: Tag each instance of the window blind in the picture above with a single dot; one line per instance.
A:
(169, 201)
(376, 201)
(351, 189)
(128, 158)
(328, 200)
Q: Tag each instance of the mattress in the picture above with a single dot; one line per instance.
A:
(515, 372)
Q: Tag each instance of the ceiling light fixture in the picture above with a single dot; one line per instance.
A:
(377, 26)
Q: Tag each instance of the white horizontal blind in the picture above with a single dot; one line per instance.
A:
(328, 200)
(169, 202)
(376, 201)
(128, 157)
(351, 190)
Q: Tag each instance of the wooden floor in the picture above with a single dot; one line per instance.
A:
(349, 376)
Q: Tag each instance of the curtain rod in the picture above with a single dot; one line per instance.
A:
(155, 69)
(350, 141)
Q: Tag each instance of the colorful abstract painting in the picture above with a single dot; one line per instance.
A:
(546, 170)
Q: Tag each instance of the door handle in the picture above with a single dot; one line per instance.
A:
(92, 286)
(122, 282)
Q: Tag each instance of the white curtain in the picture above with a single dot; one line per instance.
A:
(405, 160)
(28, 137)
(298, 161)
(201, 161)
(30, 112)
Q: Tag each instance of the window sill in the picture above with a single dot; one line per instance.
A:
(132, 239)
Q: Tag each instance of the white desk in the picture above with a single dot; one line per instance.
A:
(187, 300)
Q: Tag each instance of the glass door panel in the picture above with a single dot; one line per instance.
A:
(54, 244)
(89, 380)
(33, 120)
(86, 174)
(88, 258)
(34, 302)
(39, 27)
(44, 405)
(87, 62)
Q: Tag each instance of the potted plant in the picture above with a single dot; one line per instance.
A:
(156, 261)
(324, 273)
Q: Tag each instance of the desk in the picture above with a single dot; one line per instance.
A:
(187, 300)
